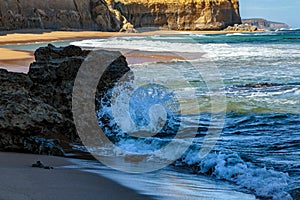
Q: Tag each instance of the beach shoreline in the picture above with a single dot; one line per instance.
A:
(19, 180)
(135, 57)
(19, 61)
(21, 37)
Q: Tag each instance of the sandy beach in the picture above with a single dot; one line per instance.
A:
(20, 181)
(16, 38)
(18, 61)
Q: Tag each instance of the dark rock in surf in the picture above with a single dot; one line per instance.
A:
(37, 105)
(295, 193)
(23, 116)
(259, 85)
(40, 164)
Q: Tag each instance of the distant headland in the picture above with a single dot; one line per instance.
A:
(265, 24)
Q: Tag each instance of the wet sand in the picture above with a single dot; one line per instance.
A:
(20, 181)
(14, 60)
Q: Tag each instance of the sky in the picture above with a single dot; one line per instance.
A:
(287, 11)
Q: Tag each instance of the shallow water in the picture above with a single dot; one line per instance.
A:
(166, 184)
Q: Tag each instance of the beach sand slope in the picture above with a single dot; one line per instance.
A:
(19, 181)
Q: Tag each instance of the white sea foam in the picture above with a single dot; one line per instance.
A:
(238, 34)
(266, 183)
(215, 51)
(141, 44)
(166, 184)
(288, 29)
(263, 182)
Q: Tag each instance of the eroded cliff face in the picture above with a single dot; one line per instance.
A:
(58, 15)
(45, 14)
(115, 15)
(180, 14)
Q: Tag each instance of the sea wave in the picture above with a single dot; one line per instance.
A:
(264, 183)
(214, 50)
(238, 34)
(287, 29)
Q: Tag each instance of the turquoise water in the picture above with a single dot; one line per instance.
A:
(34, 46)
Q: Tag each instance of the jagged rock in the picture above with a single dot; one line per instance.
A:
(40, 164)
(128, 28)
(22, 116)
(42, 146)
(29, 144)
(241, 27)
(38, 104)
(53, 76)
(19, 111)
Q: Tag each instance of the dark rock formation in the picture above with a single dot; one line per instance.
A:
(22, 116)
(40, 164)
(295, 193)
(265, 24)
(46, 14)
(111, 15)
(38, 104)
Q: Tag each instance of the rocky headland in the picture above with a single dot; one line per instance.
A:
(36, 115)
(265, 24)
(121, 15)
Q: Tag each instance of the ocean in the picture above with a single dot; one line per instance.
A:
(242, 92)
(222, 121)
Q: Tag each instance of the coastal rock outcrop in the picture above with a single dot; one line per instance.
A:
(241, 27)
(23, 118)
(113, 15)
(36, 107)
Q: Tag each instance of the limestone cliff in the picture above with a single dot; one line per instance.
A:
(115, 15)
(180, 14)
